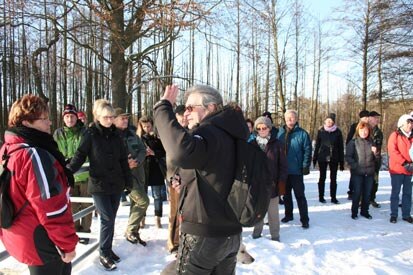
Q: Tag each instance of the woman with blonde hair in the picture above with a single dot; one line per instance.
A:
(109, 174)
(42, 234)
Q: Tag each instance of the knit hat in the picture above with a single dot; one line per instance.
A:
(403, 119)
(81, 114)
(364, 113)
(267, 114)
(70, 109)
(262, 120)
(332, 116)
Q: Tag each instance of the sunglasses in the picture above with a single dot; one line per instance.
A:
(190, 108)
(262, 128)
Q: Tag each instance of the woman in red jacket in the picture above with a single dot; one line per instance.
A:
(401, 168)
(43, 235)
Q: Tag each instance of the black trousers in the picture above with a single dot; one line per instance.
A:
(296, 183)
(57, 267)
(323, 175)
(198, 255)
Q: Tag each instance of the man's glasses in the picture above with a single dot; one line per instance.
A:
(262, 128)
(190, 108)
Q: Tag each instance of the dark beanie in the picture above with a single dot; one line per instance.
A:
(332, 116)
(180, 110)
(70, 109)
(364, 113)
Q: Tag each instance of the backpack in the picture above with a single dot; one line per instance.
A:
(7, 211)
(250, 193)
(251, 190)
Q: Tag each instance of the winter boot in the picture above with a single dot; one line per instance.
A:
(333, 191)
(158, 222)
(321, 192)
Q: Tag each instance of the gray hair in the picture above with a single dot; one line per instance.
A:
(209, 95)
(291, 111)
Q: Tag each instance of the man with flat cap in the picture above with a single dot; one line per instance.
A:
(139, 201)
(374, 120)
(364, 117)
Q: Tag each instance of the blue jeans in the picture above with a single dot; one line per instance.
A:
(157, 197)
(362, 188)
(397, 180)
(107, 206)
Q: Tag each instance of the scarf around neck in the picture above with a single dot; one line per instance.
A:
(36, 138)
(262, 141)
(330, 129)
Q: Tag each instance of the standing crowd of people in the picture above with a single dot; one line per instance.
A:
(188, 152)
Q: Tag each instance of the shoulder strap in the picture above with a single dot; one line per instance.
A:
(6, 157)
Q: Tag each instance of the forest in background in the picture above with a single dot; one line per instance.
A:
(265, 54)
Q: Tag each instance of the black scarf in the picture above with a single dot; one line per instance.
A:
(36, 138)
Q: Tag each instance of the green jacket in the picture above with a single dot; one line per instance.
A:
(68, 140)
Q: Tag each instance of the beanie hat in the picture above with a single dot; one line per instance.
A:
(70, 109)
(267, 114)
(332, 116)
(403, 119)
(81, 114)
(262, 120)
(364, 113)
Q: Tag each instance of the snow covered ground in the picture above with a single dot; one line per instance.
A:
(334, 243)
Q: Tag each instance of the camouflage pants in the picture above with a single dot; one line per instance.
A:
(80, 190)
(139, 203)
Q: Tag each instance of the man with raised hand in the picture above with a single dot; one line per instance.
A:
(210, 237)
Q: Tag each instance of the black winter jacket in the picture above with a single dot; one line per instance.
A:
(206, 156)
(109, 170)
(277, 163)
(360, 158)
(329, 146)
(155, 166)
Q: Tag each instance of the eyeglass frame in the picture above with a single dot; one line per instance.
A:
(262, 129)
(190, 107)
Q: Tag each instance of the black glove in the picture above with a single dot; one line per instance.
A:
(306, 171)
(341, 166)
(408, 167)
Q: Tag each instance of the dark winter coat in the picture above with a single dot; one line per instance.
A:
(137, 151)
(360, 158)
(329, 146)
(297, 145)
(351, 132)
(277, 164)
(155, 166)
(109, 170)
(206, 156)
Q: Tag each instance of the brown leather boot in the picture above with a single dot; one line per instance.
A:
(158, 222)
